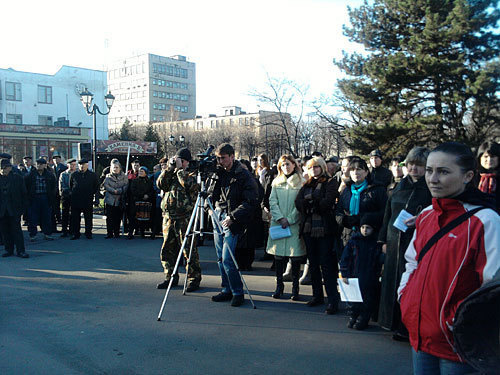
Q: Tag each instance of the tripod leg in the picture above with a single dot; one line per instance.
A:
(220, 229)
(193, 239)
(181, 253)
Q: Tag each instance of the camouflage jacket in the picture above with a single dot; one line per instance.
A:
(180, 192)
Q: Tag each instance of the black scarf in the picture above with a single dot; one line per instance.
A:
(473, 195)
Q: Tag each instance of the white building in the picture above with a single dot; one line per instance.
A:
(41, 113)
(152, 88)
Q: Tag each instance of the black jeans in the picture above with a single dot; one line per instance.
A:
(10, 227)
(320, 254)
(88, 215)
(66, 205)
(113, 218)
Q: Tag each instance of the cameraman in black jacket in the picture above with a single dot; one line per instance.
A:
(236, 199)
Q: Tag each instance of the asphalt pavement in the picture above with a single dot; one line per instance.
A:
(91, 306)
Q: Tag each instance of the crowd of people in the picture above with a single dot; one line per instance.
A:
(419, 236)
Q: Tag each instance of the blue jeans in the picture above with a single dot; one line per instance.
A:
(225, 243)
(427, 364)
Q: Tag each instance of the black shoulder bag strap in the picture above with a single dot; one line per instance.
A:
(447, 228)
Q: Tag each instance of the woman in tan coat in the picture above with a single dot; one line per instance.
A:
(284, 213)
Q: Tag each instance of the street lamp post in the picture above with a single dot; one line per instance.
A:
(92, 109)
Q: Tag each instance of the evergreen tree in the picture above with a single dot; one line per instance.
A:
(126, 131)
(430, 73)
(151, 135)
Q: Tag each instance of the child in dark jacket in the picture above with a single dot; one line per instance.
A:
(361, 259)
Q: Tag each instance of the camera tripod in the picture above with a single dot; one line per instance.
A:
(195, 222)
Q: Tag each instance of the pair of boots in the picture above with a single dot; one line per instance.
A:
(305, 279)
(280, 286)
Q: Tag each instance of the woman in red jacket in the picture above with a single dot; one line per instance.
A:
(433, 286)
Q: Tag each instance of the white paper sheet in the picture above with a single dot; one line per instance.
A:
(350, 292)
(400, 220)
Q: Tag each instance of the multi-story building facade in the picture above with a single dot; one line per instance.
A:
(42, 113)
(151, 88)
(251, 133)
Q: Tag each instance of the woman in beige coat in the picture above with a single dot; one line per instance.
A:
(284, 213)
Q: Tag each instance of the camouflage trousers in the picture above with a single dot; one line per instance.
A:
(174, 231)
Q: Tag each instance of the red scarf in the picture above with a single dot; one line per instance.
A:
(488, 183)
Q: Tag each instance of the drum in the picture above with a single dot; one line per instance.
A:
(143, 210)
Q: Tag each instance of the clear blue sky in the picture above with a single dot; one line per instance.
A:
(233, 42)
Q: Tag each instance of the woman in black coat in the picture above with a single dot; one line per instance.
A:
(411, 195)
(141, 190)
(318, 228)
(361, 196)
(488, 156)
(247, 241)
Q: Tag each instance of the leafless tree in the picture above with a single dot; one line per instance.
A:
(286, 100)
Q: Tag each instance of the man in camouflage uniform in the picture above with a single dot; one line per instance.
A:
(180, 192)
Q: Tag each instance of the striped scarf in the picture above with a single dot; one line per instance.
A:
(488, 183)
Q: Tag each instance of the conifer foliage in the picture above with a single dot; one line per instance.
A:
(429, 73)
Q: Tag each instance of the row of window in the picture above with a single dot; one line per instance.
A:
(121, 120)
(163, 106)
(126, 71)
(170, 70)
(172, 84)
(133, 107)
(13, 91)
(132, 95)
(169, 95)
(143, 82)
(17, 119)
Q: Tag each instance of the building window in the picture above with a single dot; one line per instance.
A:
(14, 118)
(1, 118)
(44, 94)
(13, 91)
(45, 120)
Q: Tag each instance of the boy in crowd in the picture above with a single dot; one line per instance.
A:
(362, 259)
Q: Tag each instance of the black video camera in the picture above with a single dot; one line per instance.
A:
(207, 162)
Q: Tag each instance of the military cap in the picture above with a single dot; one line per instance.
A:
(5, 155)
(41, 161)
(69, 161)
(376, 153)
(82, 161)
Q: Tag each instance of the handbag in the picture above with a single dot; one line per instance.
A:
(277, 232)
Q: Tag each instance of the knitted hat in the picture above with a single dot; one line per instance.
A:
(371, 220)
(184, 153)
(145, 169)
